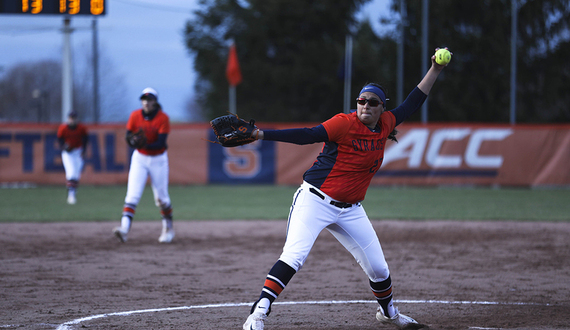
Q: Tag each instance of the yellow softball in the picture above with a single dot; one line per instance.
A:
(442, 56)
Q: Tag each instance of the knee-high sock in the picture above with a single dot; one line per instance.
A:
(127, 217)
(71, 184)
(166, 213)
(383, 293)
(278, 277)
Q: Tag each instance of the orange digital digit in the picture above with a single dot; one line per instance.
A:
(37, 6)
(74, 7)
(97, 7)
(60, 7)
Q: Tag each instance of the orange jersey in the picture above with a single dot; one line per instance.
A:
(354, 153)
(159, 124)
(73, 137)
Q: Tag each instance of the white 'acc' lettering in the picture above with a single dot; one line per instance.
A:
(414, 143)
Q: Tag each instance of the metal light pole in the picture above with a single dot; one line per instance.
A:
(513, 107)
(425, 52)
(400, 55)
(67, 71)
(347, 72)
(95, 73)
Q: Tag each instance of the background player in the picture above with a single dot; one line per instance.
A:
(331, 193)
(148, 160)
(72, 138)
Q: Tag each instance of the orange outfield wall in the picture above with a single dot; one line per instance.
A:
(434, 154)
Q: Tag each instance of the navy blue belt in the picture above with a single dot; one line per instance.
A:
(341, 205)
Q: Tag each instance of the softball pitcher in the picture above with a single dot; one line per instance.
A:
(332, 190)
(147, 130)
(72, 138)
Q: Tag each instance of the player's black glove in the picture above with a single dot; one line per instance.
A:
(232, 131)
(67, 147)
(136, 139)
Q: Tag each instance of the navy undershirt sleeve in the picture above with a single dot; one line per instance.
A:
(297, 135)
(319, 134)
(412, 103)
(158, 144)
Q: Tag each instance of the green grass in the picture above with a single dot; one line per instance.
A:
(205, 202)
(469, 204)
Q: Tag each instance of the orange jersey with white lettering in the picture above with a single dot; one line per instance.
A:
(159, 124)
(348, 161)
(73, 137)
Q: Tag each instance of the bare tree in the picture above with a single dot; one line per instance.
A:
(31, 92)
(112, 88)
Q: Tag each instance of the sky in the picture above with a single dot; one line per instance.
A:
(143, 39)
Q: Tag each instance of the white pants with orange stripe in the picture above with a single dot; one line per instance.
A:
(143, 166)
(311, 213)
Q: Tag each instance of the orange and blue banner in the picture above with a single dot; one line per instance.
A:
(434, 154)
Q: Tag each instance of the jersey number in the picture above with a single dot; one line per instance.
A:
(374, 167)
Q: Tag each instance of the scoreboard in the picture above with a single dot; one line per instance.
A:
(60, 7)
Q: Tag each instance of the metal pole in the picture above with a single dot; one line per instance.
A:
(513, 106)
(233, 99)
(67, 73)
(400, 57)
(347, 72)
(95, 73)
(425, 9)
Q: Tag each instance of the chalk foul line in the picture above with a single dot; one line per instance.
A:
(67, 325)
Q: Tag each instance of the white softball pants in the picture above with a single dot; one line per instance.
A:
(310, 214)
(143, 166)
(72, 163)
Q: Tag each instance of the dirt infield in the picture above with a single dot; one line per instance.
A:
(449, 275)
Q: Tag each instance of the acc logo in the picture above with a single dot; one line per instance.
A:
(414, 146)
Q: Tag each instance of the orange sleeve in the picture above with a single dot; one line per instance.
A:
(60, 131)
(337, 126)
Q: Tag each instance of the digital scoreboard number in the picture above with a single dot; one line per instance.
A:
(61, 7)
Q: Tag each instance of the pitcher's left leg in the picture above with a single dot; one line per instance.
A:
(355, 232)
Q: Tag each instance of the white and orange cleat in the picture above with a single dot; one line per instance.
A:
(399, 320)
(120, 234)
(255, 321)
(167, 235)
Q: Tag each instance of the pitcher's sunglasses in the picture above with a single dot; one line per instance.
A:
(372, 102)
